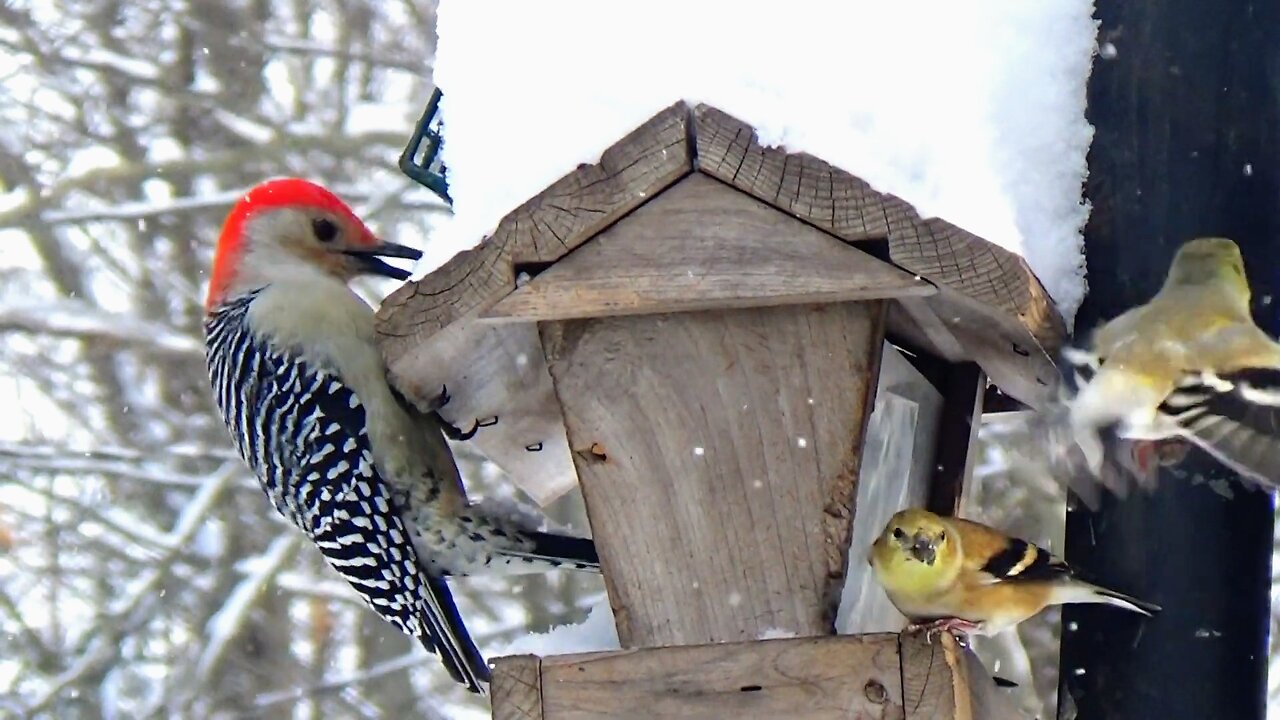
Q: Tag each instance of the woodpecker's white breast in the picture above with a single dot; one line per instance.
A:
(322, 321)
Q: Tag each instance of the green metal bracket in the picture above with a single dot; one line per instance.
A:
(421, 157)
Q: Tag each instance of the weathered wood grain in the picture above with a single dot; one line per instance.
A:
(496, 370)
(425, 328)
(542, 230)
(943, 681)
(913, 319)
(812, 678)
(877, 677)
(926, 679)
(981, 286)
(1017, 366)
(700, 245)
(718, 454)
(516, 688)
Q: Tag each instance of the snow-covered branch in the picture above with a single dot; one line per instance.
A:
(29, 635)
(128, 135)
(227, 623)
(286, 44)
(124, 615)
(107, 453)
(404, 662)
(79, 320)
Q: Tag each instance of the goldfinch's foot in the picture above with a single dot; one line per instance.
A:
(960, 629)
(1172, 451)
(1148, 455)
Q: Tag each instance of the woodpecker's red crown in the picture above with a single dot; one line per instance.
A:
(322, 231)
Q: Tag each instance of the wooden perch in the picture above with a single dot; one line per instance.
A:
(869, 676)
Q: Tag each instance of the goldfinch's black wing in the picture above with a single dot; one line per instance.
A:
(1235, 417)
(1021, 561)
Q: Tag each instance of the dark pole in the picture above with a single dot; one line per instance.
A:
(1188, 123)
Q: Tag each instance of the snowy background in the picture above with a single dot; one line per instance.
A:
(970, 111)
(142, 572)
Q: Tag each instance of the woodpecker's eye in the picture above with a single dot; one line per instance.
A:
(898, 534)
(324, 229)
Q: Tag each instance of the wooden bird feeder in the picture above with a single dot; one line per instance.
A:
(693, 330)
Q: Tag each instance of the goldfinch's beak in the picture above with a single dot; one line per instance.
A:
(371, 263)
(922, 549)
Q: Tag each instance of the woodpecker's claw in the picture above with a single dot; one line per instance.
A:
(442, 399)
(451, 431)
(455, 433)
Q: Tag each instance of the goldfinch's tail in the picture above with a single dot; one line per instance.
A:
(1235, 417)
(1077, 591)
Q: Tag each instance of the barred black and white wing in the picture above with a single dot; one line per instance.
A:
(303, 433)
(1233, 416)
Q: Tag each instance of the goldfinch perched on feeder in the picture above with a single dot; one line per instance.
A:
(962, 576)
(1189, 364)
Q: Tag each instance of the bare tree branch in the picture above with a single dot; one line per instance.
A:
(228, 622)
(81, 321)
(404, 662)
(139, 536)
(104, 648)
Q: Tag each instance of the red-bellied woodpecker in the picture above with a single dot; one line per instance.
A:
(304, 392)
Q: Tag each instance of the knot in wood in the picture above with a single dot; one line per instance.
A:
(876, 692)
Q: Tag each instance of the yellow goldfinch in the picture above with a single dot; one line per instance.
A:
(962, 576)
(1189, 364)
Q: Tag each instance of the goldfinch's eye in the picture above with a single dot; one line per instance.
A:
(898, 534)
(324, 229)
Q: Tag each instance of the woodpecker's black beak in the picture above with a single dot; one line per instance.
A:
(370, 259)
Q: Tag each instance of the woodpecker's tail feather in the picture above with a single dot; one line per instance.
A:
(574, 553)
(501, 536)
(534, 551)
(446, 635)
(1233, 416)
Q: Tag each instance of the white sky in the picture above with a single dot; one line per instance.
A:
(973, 112)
